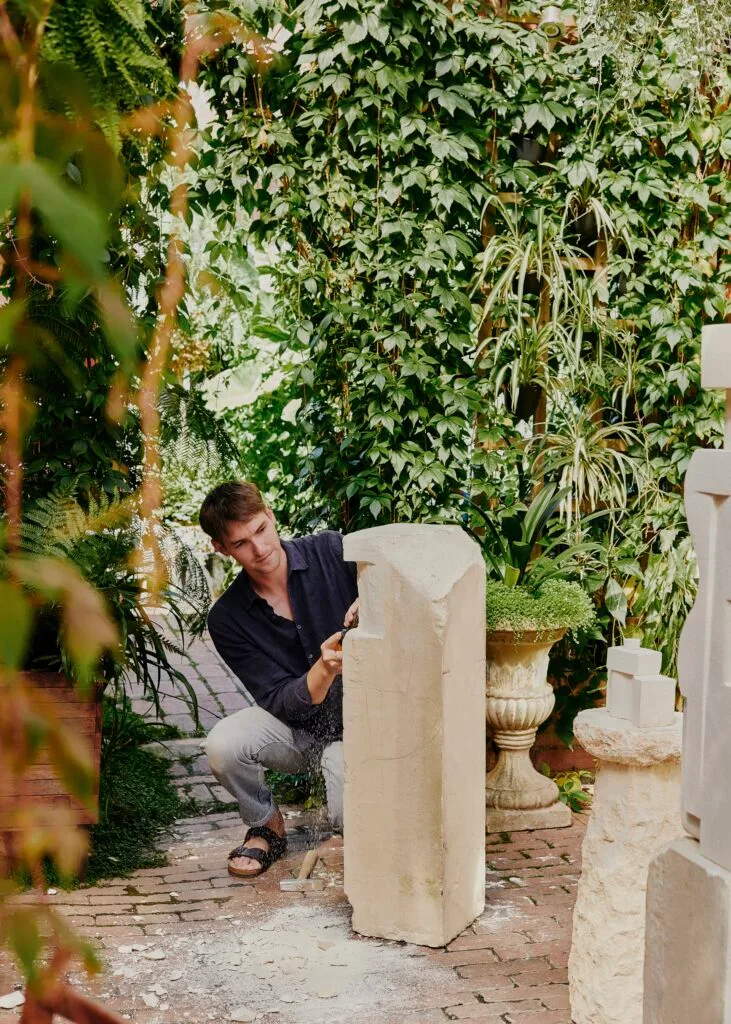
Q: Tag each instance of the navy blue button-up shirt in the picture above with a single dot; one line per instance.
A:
(271, 655)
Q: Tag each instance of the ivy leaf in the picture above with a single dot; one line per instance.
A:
(355, 31)
(539, 113)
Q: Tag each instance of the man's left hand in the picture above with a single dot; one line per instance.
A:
(351, 616)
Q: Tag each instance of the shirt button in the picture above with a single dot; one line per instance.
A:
(299, 628)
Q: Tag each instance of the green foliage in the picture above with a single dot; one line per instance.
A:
(114, 51)
(514, 545)
(307, 789)
(493, 257)
(571, 787)
(138, 802)
(370, 182)
(553, 605)
(98, 540)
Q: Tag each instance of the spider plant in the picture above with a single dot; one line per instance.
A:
(524, 249)
(587, 453)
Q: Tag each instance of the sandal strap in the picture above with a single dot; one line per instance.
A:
(277, 844)
(252, 852)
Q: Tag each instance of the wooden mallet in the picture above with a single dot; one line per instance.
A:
(303, 882)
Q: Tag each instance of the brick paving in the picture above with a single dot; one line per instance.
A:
(509, 967)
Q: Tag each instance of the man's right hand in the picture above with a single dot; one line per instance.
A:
(331, 652)
(322, 674)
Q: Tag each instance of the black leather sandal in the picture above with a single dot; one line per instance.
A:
(277, 849)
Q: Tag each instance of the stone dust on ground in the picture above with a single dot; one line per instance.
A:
(301, 965)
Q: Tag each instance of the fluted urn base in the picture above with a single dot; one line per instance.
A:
(519, 699)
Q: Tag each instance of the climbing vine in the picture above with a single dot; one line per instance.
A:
(494, 257)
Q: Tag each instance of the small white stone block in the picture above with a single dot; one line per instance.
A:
(633, 660)
(716, 356)
(619, 694)
(653, 701)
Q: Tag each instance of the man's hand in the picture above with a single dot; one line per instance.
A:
(351, 616)
(322, 674)
(331, 654)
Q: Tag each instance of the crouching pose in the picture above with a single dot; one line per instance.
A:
(278, 627)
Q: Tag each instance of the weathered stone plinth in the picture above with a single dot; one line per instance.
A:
(688, 950)
(636, 811)
(414, 738)
(519, 699)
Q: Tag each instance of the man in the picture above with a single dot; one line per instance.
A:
(278, 627)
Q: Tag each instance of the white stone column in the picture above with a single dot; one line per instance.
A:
(635, 813)
(688, 935)
(414, 736)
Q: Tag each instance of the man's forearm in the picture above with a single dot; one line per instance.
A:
(319, 680)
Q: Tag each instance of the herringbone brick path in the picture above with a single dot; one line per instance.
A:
(168, 936)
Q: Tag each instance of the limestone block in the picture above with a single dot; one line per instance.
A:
(619, 694)
(414, 737)
(636, 811)
(633, 660)
(653, 701)
(704, 656)
(716, 356)
(688, 940)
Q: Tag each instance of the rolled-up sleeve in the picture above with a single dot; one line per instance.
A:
(285, 696)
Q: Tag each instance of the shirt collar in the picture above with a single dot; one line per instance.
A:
(296, 562)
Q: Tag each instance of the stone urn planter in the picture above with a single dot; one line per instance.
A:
(519, 700)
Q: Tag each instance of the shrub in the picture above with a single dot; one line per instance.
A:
(557, 604)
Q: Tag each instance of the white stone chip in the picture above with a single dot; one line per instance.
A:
(154, 954)
(242, 1014)
(11, 1000)
(150, 1000)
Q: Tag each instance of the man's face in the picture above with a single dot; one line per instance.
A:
(255, 544)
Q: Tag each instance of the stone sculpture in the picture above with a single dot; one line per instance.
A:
(635, 813)
(414, 737)
(688, 937)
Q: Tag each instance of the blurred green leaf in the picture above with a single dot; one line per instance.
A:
(23, 936)
(75, 222)
(16, 622)
(10, 317)
(9, 186)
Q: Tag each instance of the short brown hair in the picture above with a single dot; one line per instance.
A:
(236, 501)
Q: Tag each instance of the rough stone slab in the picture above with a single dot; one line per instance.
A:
(556, 816)
(688, 949)
(414, 711)
(614, 739)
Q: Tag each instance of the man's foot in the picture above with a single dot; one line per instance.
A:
(243, 866)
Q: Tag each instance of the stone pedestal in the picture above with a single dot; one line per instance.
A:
(688, 950)
(414, 737)
(519, 699)
(636, 811)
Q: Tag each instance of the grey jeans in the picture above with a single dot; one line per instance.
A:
(241, 746)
